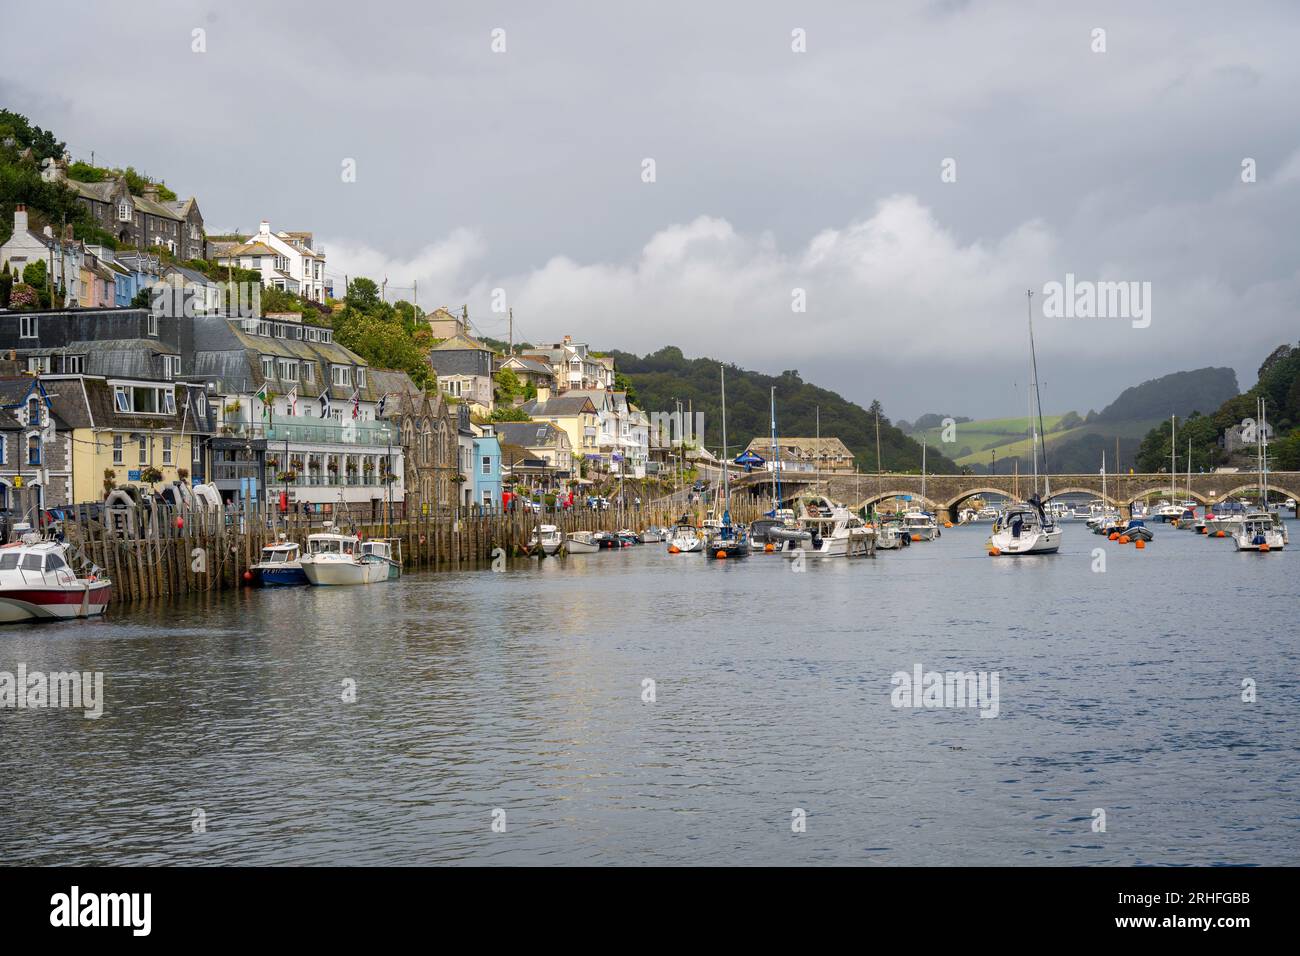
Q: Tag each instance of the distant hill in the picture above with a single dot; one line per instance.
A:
(667, 376)
(1074, 444)
(1179, 393)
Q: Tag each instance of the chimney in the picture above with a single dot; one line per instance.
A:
(568, 339)
(151, 192)
(20, 219)
(543, 393)
(264, 228)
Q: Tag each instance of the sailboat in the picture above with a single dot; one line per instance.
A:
(727, 540)
(763, 532)
(1260, 530)
(1170, 510)
(1025, 527)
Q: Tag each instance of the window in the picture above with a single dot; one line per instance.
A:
(124, 211)
(268, 366)
(171, 366)
(487, 465)
(74, 364)
(198, 452)
(308, 372)
(4, 456)
(279, 330)
(340, 374)
(153, 324)
(118, 458)
(38, 363)
(27, 326)
(168, 401)
(167, 449)
(312, 335)
(53, 562)
(33, 449)
(121, 398)
(288, 370)
(144, 450)
(487, 498)
(361, 377)
(326, 335)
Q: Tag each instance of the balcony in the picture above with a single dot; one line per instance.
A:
(315, 431)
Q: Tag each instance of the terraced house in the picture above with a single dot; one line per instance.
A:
(297, 416)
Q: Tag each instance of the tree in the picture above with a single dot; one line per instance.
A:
(363, 295)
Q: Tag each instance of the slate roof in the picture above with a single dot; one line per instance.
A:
(562, 406)
(232, 357)
(529, 434)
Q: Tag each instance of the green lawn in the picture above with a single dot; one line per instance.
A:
(1008, 437)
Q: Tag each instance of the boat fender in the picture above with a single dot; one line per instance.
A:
(721, 555)
(1140, 544)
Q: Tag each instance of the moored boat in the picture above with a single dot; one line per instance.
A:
(37, 583)
(685, 538)
(334, 559)
(826, 530)
(546, 540)
(280, 566)
(581, 542)
(1024, 528)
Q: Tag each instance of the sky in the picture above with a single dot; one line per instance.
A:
(863, 192)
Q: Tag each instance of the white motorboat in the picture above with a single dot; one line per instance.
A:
(824, 529)
(546, 540)
(651, 536)
(890, 534)
(280, 566)
(921, 525)
(1024, 528)
(37, 583)
(334, 560)
(1258, 532)
(581, 542)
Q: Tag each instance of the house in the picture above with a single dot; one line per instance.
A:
(543, 442)
(806, 454)
(62, 258)
(109, 342)
(463, 366)
(137, 221)
(98, 282)
(290, 261)
(35, 471)
(574, 365)
(577, 417)
(427, 428)
(531, 371)
(444, 325)
(298, 416)
(487, 469)
(199, 293)
(623, 433)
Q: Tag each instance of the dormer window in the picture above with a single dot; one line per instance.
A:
(124, 211)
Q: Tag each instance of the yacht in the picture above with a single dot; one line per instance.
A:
(725, 540)
(1024, 528)
(1258, 532)
(280, 566)
(921, 525)
(651, 536)
(685, 538)
(760, 530)
(37, 583)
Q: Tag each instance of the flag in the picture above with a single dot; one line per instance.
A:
(325, 403)
(382, 403)
(261, 397)
(293, 400)
(356, 403)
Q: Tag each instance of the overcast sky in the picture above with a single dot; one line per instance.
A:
(774, 170)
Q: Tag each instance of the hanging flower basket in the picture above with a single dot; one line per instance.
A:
(288, 477)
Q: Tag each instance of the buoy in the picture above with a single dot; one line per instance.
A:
(1204, 530)
(721, 555)
(673, 549)
(248, 575)
(769, 547)
(1219, 534)
(994, 552)
(1114, 536)
(1263, 547)
(1123, 539)
(180, 522)
(1140, 544)
(947, 524)
(916, 537)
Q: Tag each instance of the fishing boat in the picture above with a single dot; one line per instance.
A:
(685, 538)
(581, 542)
(334, 560)
(38, 584)
(546, 540)
(921, 525)
(1025, 527)
(890, 534)
(825, 529)
(280, 566)
(651, 536)
(728, 540)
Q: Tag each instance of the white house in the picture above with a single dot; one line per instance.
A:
(287, 260)
(25, 247)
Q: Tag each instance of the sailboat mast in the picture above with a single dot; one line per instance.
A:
(726, 472)
(1173, 458)
(1035, 402)
(776, 459)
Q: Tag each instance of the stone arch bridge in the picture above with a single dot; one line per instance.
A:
(948, 493)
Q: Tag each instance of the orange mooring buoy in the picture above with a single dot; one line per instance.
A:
(1219, 534)
(916, 537)
(721, 555)
(1263, 547)
(673, 549)
(1123, 539)
(1140, 544)
(769, 547)
(994, 552)
(1114, 536)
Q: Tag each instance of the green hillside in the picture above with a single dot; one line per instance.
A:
(1069, 449)
(665, 377)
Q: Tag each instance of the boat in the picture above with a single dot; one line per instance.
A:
(546, 540)
(967, 515)
(921, 525)
(1261, 531)
(1257, 532)
(1165, 511)
(651, 536)
(627, 537)
(825, 529)
(37, 583)
(685, 538)
(607, 540)
(280, 566)
(766, 530)
(727, 540)
(890, 533)
(1025, 527)
(335, 559)
(988, 513)
(581, 542)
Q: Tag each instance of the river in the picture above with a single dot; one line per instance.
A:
(519, 698)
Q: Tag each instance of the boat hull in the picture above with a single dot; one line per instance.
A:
(280, 577)
(1032, 542)
(346, 573)
(577, 546)
(54, 604)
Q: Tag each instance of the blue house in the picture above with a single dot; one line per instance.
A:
(487, 469)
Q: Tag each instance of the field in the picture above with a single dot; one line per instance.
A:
(974, 442)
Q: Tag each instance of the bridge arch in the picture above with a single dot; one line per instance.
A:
(1252, 488)
(1081, 490)
(953, 504)
(1161, 491)
(880, 496)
